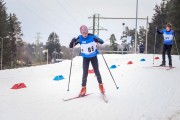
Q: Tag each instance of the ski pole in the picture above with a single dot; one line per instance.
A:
(110, 72)
(176, 47)
(70, 67)
(109, 69)
(155, 44)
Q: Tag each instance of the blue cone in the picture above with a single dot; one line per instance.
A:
(57, 78)
(142, 60)
(113, 67)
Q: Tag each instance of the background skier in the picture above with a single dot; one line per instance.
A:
(168, 34)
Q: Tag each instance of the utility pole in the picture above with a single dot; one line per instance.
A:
(136, 33)
(123, 28)
(96, 27)
(97, 17)
(147, 25)
(37, 46)
(38, 37)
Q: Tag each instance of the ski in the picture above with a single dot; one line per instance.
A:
(170, 68)
(166, 67)
(104, 98)
(160, 67)
(76, 97)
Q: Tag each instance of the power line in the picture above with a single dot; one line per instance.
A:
(96, 24)
(67, 11)
(32, 11)
(96, 27)
(86, 12)
(79, 11)
(59, 16)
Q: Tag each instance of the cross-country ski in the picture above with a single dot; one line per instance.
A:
(73, 98)
(104, 98)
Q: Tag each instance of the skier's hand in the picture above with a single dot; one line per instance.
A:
(174, 34)
(96, 40)
(72, 43)
(159, 31)
(73, 40)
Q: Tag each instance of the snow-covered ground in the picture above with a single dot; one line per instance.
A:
(145, 93)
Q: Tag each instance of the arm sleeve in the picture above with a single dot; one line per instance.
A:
(174, 34)
(160, 31)
(74, 42)
(98, 40)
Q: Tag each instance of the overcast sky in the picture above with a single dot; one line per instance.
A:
(66, 16)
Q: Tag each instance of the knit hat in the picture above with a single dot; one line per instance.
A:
(84, 29)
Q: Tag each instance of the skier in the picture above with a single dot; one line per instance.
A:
(168, 34)
(89, 53)
(141, 48)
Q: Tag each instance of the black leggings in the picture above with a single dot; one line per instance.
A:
(94, 62)
(168, 49)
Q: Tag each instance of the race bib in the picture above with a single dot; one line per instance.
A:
(88, 48)
(168, 37)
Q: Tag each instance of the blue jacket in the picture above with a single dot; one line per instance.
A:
(168, 36)
(88, 45)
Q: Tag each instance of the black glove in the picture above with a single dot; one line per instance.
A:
(73, 40)
(96, 40)
(159, 32)
(71, 45)
(174, 34)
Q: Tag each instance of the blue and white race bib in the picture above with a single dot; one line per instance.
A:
(89, 48)
(168, 37)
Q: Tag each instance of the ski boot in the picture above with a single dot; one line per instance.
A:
(170, 66)
(83, 91)
(163, 64)
(101, 88)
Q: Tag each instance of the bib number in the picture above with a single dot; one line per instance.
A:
(168, 37)
(88, 48)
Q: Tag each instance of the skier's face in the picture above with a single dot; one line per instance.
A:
(85, 35)
(168, 28)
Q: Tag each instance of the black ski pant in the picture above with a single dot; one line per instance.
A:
(94, 62)
(168, 49)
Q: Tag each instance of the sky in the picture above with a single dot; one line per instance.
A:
(66, 16)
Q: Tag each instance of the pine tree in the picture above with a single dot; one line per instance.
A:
(4, 32)
(141, 35)
(113, 43)
(9, 26)
(15, 34)
(53, 45)
(128, 32)
(3, 19)
(159, 20)
(173, 17)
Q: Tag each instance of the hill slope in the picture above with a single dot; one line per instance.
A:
(145, 93)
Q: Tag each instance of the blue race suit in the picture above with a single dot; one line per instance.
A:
(89, 53)
(167, 44)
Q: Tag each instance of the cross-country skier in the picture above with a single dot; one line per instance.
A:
(89, 53)
(141, 48)
(168, 34)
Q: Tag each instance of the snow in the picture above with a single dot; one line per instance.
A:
(145, 93)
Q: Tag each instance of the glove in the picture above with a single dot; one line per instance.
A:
(174, 34)
(96, 40)
(72, 43)
(73, 40)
